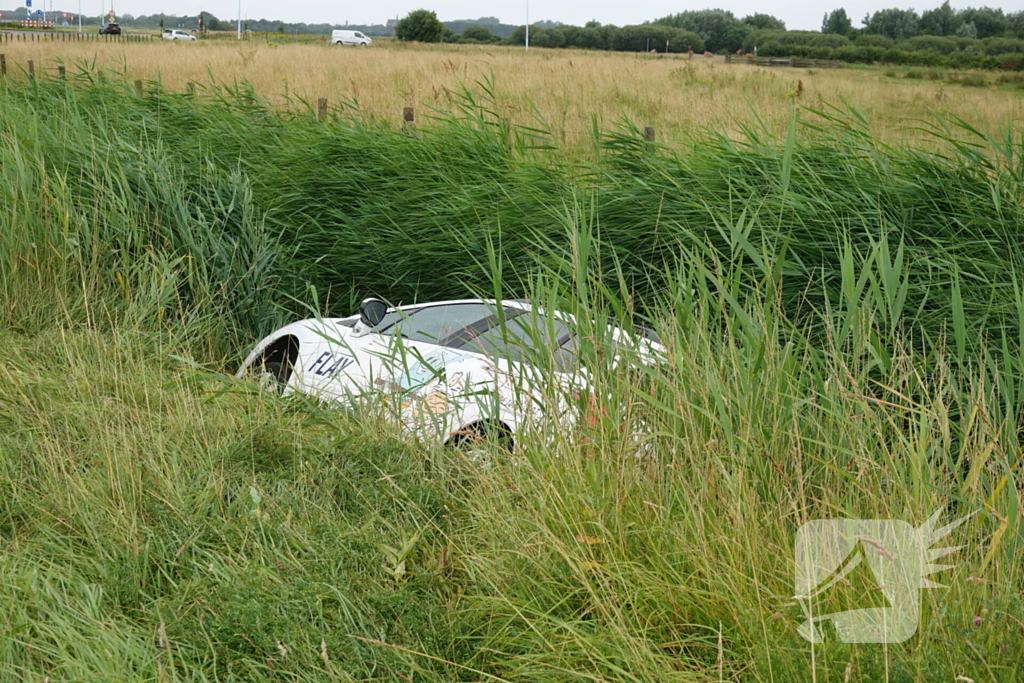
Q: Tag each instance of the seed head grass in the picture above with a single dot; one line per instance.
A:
(568, 89)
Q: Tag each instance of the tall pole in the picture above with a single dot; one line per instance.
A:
(527, 25)
(79, 16)
(239, 19)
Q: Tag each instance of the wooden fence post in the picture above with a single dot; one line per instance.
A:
(31, 69)
(321, 108)
(408, 120)
(649, 137)
(3, 65)
(506, 132)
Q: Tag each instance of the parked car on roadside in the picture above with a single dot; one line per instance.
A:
(349, 38)
(177, 34)
(110, 29)
(457, 371)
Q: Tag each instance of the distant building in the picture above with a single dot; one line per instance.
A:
(392, 23)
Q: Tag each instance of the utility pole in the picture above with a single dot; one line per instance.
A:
(527, 25)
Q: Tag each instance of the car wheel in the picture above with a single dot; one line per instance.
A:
(480, 440)
(273, 376)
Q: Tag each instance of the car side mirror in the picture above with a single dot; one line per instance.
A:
(372, 311)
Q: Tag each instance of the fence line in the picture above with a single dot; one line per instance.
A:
(70, 37)
(780, 61)
(504, 125)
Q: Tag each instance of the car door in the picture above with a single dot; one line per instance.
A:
(402, 357)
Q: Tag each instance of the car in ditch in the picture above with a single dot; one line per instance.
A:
(454, 371)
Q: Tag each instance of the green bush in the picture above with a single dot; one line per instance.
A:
(860, 54)
(420, 25)
(782, 42)
(925, 43)
(873, 40)
(626, 38)
(973, 80)
(634, 39)
(480, 34)
(999, 46)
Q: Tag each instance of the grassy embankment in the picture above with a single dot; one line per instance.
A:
(566, 89)
(845, 325)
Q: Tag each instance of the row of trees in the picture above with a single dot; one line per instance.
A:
(724, 32)
(899, 24)
(924, 50)
(681, 34)
(720, 29)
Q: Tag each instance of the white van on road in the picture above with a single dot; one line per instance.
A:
(349, 38)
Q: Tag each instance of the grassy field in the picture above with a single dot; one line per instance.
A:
(569, 90)
(844, 322)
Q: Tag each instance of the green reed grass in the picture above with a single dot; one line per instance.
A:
(843, 325)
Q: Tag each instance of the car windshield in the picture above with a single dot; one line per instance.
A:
(434, 324)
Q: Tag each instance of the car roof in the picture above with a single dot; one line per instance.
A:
(523, 304)
(520, 304)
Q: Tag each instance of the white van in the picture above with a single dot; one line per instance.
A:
(349, 38)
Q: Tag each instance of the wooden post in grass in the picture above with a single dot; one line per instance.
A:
(61, 73)
(138, 86)
(649, 137)
(3, 65)
(506, 133)
(408, 120)
(321, 108)
(31, 69)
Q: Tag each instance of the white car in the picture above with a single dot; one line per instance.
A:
(177, 34)
(457, 371)
(349, 38)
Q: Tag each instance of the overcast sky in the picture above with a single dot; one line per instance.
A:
(798, 14)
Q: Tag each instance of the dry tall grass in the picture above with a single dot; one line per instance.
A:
(569, 89)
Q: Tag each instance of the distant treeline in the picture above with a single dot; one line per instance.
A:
(974, 37)
(866, 48)
(595, 36)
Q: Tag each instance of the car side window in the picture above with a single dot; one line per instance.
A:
(521, 336)
(434, 324)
